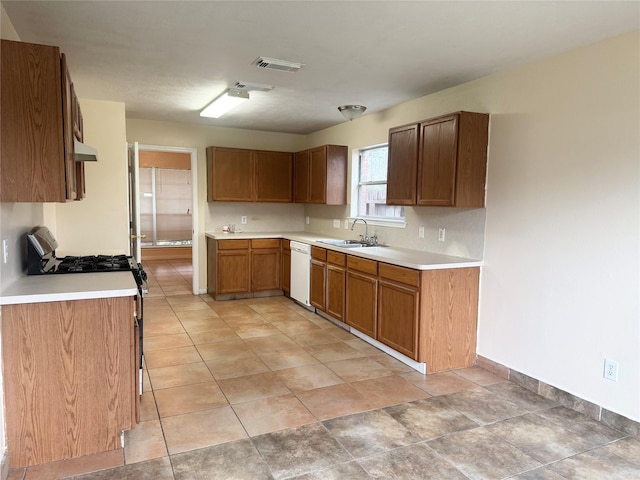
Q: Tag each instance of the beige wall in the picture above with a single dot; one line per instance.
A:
(100, 222)
(561, 278)
(269, 217)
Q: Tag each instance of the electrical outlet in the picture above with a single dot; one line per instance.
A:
(421, 232)
(307, 220)
(346, 223)
(610, 370)
(243, 220)
(336, 223)
(441, 234)
(5, 251)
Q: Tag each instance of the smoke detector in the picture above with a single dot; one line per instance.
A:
(274, 64)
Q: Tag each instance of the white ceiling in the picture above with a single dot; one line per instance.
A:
(167, 59)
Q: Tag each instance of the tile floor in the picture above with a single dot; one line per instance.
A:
(263, 389)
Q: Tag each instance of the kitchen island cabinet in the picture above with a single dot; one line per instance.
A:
(40, 118)
(71, 377)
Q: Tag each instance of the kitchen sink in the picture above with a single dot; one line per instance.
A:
(347, 243)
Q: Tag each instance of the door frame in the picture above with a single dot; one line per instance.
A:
(195, 233)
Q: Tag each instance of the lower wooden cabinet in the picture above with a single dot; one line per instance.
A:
(70, 376)
(318, 278)
(240, 268)
(398, 317)
(265, 265)
(286, 267)
(361, 293)
(335, 285)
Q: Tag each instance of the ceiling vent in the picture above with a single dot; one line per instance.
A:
(252, 87)
(281, 65)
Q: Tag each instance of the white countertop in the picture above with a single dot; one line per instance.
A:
(417, 259)
(78, 286)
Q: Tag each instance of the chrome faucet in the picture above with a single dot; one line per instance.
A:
(364, 239)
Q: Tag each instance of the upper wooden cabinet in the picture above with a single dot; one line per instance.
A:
(447, 157)
(320, 175)
(240, 175)
(40, 118)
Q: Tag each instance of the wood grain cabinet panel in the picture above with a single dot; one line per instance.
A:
(441, 161)
(240, 268)
(402, 166)
(336, 279)
(320, 175)
(241, 175)
(230, 174)
(70, 374)
(265, 269)
(40, 115)
(273, 176)
(398, 317)
(361, 300)
(286, 267)
(317, 284)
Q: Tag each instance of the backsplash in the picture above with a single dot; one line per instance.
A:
(464, 229)
(261, 217)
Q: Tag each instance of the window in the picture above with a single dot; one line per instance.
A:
(372, 186)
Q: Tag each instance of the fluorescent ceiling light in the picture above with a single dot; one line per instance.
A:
(225, 102)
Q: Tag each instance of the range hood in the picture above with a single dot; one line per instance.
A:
(83, 152)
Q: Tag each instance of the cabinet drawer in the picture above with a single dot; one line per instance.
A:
(318, 253)
(362, 265)
(336, 258)
(232, 244)
(265, 243)
(399, 274)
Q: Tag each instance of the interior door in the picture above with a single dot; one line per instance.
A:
(134, 206)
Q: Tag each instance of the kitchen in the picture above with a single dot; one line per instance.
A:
(542, 304)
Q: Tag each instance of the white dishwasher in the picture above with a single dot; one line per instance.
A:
(300, 270)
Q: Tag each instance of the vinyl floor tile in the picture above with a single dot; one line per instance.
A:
(597, 464)
(176, 375)
(410, 463)
(201, 429)
(308, 377)
(237, 460)
(386, 391)
(300, 450)
(334, 401)
(482, 406)
(271, 414)
(580, 424)
(479, 454)
(157, 469)
(627, 448)
(189, 398)
(369, 433)
(430, 418)
(144, 442)
(343, 471)
(252, 387)
(540, 438)
(439, 383)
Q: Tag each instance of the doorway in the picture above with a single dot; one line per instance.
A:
(167, 205)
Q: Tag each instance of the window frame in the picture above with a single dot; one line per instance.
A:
(357, 183)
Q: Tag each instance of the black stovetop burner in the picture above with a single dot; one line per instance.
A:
(95, 263)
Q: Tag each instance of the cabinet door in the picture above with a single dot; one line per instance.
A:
(274, 176)
(265, 270)
(317, 292)
(232, 271)
(301, 177)
(286, 269)
(398, 313)
(437, 162)
(230, 174)
(361, 302)
(402, 165)
(318, 175)
(335, 291)
(32, 166)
